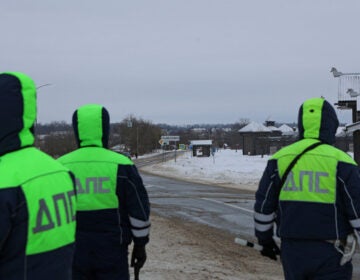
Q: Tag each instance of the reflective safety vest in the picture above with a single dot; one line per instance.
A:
(95, 169)
(49, 195)
(319, 197)
(313, 178)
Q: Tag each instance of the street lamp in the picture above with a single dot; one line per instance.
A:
(44, 85)
(36, 120)
(137, 141)
(130, 125)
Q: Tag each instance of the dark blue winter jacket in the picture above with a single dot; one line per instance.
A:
(113, 205)
(37, 194)
(320, 198)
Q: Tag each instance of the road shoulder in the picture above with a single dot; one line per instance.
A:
(179, 249)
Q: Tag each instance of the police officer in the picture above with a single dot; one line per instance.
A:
(113, 205)
(37, 194)
(312, 191)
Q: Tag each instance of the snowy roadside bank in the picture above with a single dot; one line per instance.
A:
(228, 168)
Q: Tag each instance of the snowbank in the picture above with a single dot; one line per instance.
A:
(227, 167)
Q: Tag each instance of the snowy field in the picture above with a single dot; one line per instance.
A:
(227, 168)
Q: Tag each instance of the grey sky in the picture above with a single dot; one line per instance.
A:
(181, 61)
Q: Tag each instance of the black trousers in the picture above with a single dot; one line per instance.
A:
(312, 260)
(100, 260)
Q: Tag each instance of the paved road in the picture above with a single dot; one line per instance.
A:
(218, 207)
(222, 208)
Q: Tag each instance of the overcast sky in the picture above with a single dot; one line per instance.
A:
(181, 61)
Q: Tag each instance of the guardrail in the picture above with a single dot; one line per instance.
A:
(157, 158)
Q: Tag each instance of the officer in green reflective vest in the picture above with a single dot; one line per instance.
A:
(37, 194)
(113, 205)
(311, 190)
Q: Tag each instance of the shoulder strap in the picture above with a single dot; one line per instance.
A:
(291, 165)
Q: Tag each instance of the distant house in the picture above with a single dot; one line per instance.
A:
(286, 130)
(201, 148)
(259, 139)
(254, 137)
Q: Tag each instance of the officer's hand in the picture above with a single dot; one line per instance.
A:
(270, 249)
(138, 257)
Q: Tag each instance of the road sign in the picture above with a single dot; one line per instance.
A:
(163, 142)
(170, 138)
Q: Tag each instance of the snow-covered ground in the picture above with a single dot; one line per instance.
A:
(227, 167)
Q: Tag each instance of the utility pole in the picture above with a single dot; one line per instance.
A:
(36, 120)
(137, 140)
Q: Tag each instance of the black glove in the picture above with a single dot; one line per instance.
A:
(138, 257)
(270, 248)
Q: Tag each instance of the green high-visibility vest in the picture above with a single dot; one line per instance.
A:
(306, 181)
(49, 194)
(95, 169)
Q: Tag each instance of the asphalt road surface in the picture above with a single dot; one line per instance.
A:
(218, 207)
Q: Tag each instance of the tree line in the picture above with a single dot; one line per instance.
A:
(135, 135)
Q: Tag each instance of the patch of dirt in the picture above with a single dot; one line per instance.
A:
(180, 250)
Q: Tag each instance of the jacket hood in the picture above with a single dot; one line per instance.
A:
(91, 125)
(317, 120)
(17, 111)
